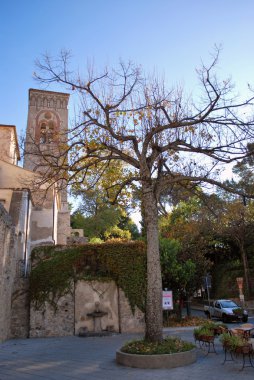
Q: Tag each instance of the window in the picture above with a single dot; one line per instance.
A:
(47, 131)
(47, 127)
(43, 132)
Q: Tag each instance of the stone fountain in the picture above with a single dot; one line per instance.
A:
(97, 314)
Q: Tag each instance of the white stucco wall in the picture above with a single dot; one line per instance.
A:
(5, 196)
(41, 227)
(8, 144)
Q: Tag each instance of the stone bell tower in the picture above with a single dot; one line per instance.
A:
(47, 129)
(47, 126)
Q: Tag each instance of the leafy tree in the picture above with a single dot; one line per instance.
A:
(162, 136)
(127, 224)
(177, 275)
(210, 226)
(236, 216)
(106, 224)
(235, 223)
(95, 190)
(189, 226)
(100, 219)
(116, 232)
(244, 170)
(98, 224)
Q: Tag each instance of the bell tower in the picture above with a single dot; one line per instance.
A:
(47, 129)
(47, 126)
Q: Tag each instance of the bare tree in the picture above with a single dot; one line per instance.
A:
(163, 137)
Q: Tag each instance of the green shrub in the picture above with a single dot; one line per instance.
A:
(168, 345)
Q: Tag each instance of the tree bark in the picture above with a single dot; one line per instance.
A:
(154, 322)
(245, 268)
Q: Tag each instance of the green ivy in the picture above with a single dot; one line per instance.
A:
(56, 269)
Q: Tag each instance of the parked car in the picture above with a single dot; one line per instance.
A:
(226, 310)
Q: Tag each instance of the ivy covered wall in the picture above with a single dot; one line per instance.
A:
(56, 268)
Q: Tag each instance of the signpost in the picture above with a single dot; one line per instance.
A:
(207, 285)
(239, 281)
(167, 300)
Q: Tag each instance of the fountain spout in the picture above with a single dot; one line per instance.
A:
(97, 314)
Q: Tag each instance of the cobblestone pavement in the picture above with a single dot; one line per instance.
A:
(77, 358)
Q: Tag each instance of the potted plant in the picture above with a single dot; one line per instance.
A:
(230, 342)
(204, 334)
(236, 344)
(209, 324)
(220, 328)
(217, 328)
(207, 335)
(196, 333)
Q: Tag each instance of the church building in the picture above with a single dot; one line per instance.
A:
(32, 213)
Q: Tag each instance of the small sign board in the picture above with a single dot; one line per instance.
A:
(167, 300)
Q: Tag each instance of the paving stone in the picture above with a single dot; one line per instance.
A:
(76, 358)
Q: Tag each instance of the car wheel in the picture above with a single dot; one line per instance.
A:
(224, 318)
(245, 319)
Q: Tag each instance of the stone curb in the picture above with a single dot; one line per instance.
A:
(179, 359)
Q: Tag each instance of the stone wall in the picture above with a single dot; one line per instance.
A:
(20, 308)
(73, 315)
(50, 322)
(101, 296)
(63, 226)
(76, 240)
(129, 322)
(7, 272)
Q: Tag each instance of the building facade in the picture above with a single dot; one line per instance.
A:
(33, 211)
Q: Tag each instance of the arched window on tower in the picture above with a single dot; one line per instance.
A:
(47, 127)
(51, 131)
(47, 132)
(43, 133)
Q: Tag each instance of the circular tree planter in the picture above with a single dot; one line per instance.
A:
(179, 359)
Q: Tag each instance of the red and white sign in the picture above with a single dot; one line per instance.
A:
(167, 300)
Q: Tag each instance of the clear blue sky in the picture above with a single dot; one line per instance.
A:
(171, 36)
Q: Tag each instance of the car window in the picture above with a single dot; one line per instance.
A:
(228, 304)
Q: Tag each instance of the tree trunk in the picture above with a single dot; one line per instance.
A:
(188, 306)
(245, 269)
(154, 322)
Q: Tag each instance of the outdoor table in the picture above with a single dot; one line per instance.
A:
(244, 331)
